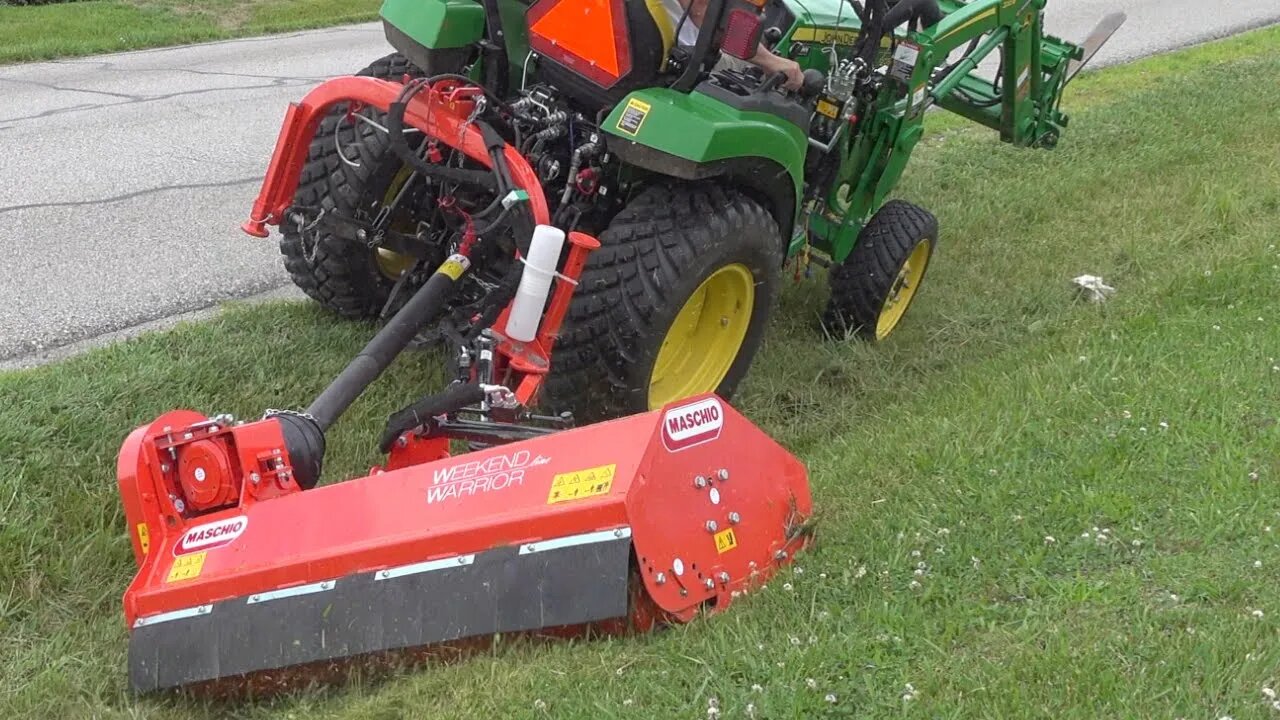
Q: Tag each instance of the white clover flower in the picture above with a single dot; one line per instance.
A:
(1164, 425)
(1084, 535)
(861, 572)
(1257, 563)
(751, 710)
(1269, 693)
(757, 687)
(831, 698)
(1127, 415)
(1137, 543)
(915, 585)
(795, 640)
(811, 683)
(798, 570)
(975, 561)
(915, 553)
(1253, 475)
(919, 572)
(944, 531)
(628, 702)
(822, 576)
(539, 704)
(786, 586)
(1258, 614)
(1049, 539)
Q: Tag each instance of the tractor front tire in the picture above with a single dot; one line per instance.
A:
(342, 274)
(675, 303)
(875, 285)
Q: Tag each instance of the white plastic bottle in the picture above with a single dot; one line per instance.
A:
(531, 296)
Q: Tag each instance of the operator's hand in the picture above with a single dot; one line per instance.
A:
(790, 68)
(771, 63)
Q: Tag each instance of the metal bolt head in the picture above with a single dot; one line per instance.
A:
(722, 474)
(402, 441)
(780, 555)
(712, 526)
(164, 467)
(699, 482)
(362, 235)
(660, 578)
(386, 573)
(255, 478)
(256, 598)
(617, 533)
(724, 577)
(709, 583)
(735, 518)
(179, 505)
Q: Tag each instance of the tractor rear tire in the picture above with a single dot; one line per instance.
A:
(342, 274)
(674, 252)
(873, 288)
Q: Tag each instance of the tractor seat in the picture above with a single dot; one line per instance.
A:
(598, 51)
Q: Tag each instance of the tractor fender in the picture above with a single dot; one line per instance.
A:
(694, 136)
(415, 25)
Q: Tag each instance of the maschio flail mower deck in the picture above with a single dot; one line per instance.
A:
(246, 568)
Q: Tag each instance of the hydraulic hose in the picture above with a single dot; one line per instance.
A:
(395, 128)
(425, 305)
(453, 398)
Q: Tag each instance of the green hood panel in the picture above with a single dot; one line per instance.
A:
(823, 13)
(701, 129)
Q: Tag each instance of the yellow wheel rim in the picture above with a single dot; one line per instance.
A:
(705, 337)
(390, 263)
(903, 290)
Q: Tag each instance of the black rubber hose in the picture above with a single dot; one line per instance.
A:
(395, 128)
(451, 399)
(927, 10)
(423, 308)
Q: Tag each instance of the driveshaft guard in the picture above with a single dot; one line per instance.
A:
(536, 534)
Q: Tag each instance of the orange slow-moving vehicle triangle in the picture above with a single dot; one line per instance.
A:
(584, 28)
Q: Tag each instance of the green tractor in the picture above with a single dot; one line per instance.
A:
(701, 175)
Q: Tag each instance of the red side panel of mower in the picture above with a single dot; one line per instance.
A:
(694, 501)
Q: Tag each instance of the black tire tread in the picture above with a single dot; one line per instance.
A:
(339, 274)
(645, 252)
(860, 285)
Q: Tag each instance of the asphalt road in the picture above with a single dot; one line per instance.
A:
(125, 177)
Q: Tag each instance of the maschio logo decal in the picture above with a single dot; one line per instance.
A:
(693, 424)
(211, 535)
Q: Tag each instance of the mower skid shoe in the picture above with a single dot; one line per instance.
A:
(1101, 34)
(611, 526)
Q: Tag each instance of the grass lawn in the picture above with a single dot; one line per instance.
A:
(82, 28)
(1029, 505)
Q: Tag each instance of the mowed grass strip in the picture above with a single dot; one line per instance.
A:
(42, 32)
(1029, 505)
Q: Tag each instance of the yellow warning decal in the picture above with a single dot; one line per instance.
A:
(828, 108)
(144, 538)
(726, 541)
(581, 484)
(454, 266)
(633, 116)
(186, 567)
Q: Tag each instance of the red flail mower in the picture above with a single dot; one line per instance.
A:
(248, 569)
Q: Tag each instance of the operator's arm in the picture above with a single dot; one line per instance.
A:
(764, 59)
